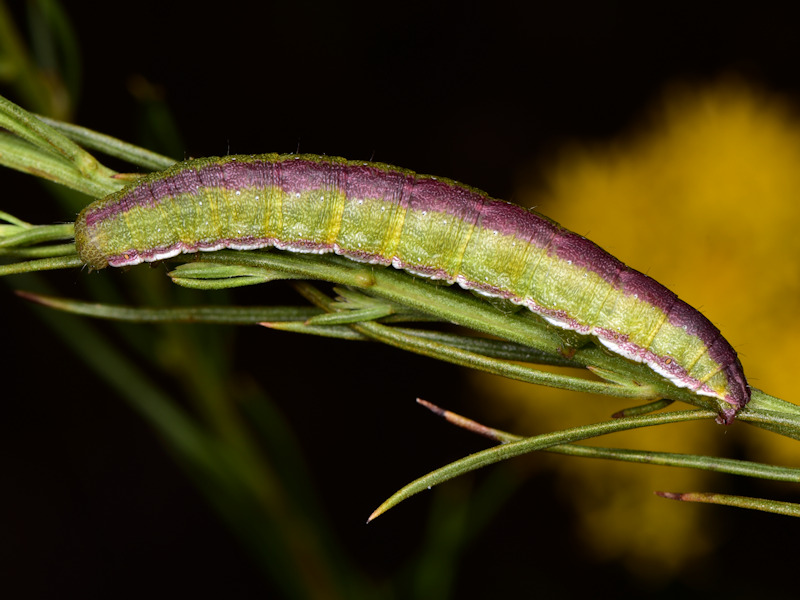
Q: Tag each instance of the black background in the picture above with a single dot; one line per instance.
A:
(92, 505)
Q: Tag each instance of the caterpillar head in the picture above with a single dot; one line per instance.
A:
(88, 250)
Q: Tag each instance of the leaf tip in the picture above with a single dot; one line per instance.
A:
(32, 297)
(670, 495)
(437, 410)
(376, 513)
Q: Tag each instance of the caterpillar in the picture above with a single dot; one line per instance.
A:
(425, 225)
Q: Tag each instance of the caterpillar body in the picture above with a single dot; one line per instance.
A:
(428, 226)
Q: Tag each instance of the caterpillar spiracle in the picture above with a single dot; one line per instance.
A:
(428, 226)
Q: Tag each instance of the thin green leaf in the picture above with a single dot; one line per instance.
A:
(346, 317)
(21, 155)
(786, 423)
(745, 468)
(296, 266)
(111, 146)
(527, 445)
(48, 251)
(44, 264)
(342, 332)
(210, 271)
(436, 347)
(789, 509)
(491, 348)
(28, 127)
(27, 236)
(9, 218)
(667, 459)
(511, 370)
(231, 315)
(643, 409)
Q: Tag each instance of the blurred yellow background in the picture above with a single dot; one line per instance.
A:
(703, 196)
